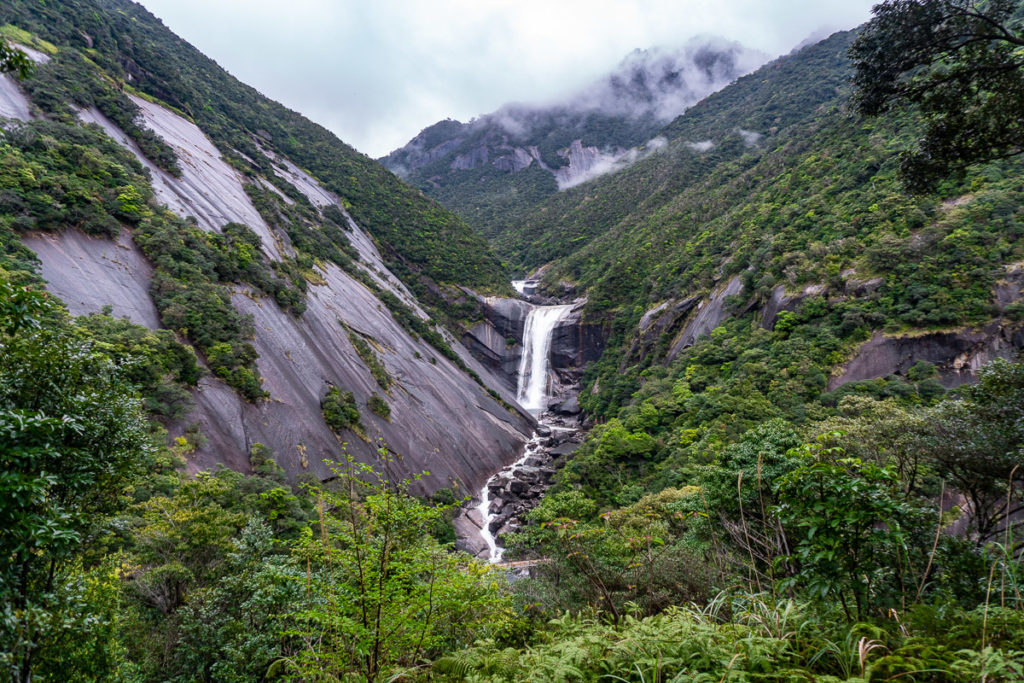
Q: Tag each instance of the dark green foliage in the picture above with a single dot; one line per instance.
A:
(70, 79)
(958, 64)
(379, 406)
(57, 176)
(72, 435)
(636, 559)
(13, 59)
(340, 410)
(847, 526)
(418, 235)
(162, 368)
(191, 301)
(977, 444)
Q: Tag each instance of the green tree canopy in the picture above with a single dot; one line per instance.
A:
(71, 435)
(12, 59)
(961, 63)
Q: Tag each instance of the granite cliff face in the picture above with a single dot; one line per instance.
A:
(498, 340)
(441, 419)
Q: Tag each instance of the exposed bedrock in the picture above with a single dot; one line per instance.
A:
(576, 341)
(497, 341)
(88, 273)
(957, 355)
(441, 420)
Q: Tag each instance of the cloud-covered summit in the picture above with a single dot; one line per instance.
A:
(613, 114)
(663, 82)
(522, 153)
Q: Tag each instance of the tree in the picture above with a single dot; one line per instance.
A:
(978, 445)
(846, 522)
(382, 594)
(71, 435)
(961, 64)
(14, 60)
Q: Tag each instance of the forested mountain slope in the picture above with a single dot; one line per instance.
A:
(805, 456)
(134, 48)
(736, 122)
(292, 333)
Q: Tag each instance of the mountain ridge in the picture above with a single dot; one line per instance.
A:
(521, 153)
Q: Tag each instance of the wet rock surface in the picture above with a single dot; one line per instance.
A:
(520, 487)
(442, 421)
(117, 273)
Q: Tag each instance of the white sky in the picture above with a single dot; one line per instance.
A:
(376, 72)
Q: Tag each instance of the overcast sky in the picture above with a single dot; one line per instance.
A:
(376, 72)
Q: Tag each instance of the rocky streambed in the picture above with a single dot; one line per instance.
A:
(500, 508)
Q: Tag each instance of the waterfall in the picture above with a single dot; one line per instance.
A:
(534, 367)
(532, 394)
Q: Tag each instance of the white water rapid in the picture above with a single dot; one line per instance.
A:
(532, 393)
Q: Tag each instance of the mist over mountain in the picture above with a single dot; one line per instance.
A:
(752, 410)
(522, 153)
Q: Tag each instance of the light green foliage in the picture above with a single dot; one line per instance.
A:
(847, 528)
(744, 638)
(384, 595)
(634, 559)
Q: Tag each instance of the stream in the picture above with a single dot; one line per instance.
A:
(517, 488)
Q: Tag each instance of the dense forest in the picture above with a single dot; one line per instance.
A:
(738, 511)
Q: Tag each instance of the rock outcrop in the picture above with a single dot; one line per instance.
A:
(441, 420)
(117, 273)
(708, 314)
(498, 341)
(957, 355)
(577, 341)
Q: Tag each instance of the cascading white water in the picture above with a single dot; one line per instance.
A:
(535, 364)
(532, 394)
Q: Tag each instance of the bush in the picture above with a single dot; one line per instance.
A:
(340, 410)
(379, 407)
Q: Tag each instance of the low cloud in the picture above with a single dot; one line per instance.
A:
(603, 163)
(750, 138)
(377, 72)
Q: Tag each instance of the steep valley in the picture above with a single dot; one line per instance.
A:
(754, 410)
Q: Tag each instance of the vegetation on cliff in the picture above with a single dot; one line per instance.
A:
(729, 518)
(132, 47)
